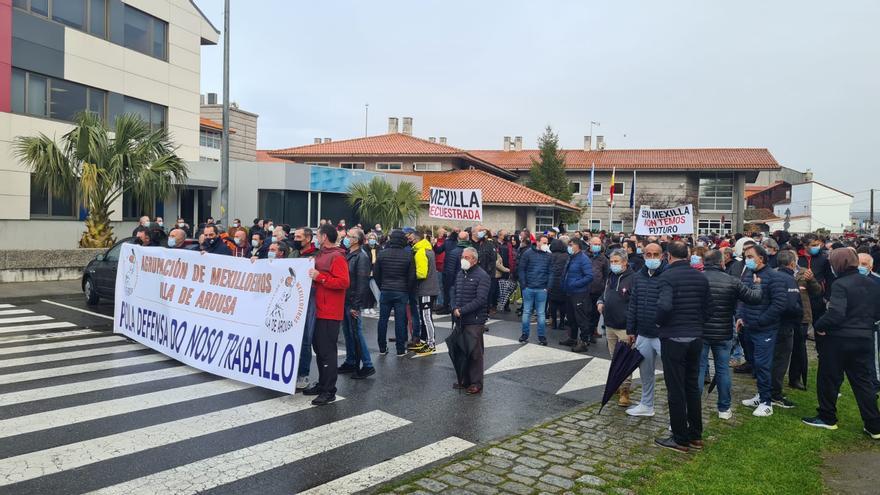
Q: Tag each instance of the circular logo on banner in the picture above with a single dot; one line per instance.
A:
(286, 305)
(129, 282)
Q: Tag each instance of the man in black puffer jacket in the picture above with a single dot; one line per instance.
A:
(557, 297)
(760, 322)
(395, 273)
(725, 291)
(641, 324)
(681, 314)
(471, 300)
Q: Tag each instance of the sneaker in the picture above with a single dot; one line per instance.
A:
(313, 390)
(725, 415)
(383, 351)
(425, 350)
(784, 403)
(542, 340)
(818, 423)
(875, 436)
(416, 344)
(763, 410)
(640, 410)
(523, 338)
(302, 382)
(323, 399)
(363, 373)
(568, 342)
(753, 402)
(669, 443)
(401, 353)
(346, 368)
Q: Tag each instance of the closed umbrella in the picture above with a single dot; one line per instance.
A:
(460, 345)
(624, 361)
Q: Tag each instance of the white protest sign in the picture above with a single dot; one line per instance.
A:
(456, 204)
(220, 314)
(671, 221)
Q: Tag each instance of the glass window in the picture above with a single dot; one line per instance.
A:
(597, 187)
(40, 7)
(18, 85)
(39, 200)
(210, 139)
(98, 103)
(716, 192)
(427, 167)
(47, 204)
(36, 95)
(70, 12)
(575, 187)
(543, 219)
(138, 107)
(67, 100)
(617, 226)
(709, 226)
(157, 120)
(22, 4)
(158, 39)
(98, 17)
(61, 205)
(389, 166)
(352, 166)
(596, 225)
(618, 188)
(113, 254)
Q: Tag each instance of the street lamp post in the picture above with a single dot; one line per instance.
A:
(224, 153)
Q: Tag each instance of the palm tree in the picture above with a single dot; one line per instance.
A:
(377, 202)
(98, 168)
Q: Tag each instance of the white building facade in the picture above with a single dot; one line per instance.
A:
(813, 206)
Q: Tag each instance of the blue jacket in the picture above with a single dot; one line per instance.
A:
(534, 269)
(451, 265)
(578, 274)
(641, 316)
(766, 315)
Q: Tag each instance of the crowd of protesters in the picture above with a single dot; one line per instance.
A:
(752, 302)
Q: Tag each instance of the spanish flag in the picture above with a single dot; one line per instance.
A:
(613, 171)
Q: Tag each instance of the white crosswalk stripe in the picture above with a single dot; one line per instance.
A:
(77, 414)
(94, 385)
(48, 358)
(22, 319)
(58, 345)
(57, 459)
(392, 468)
(6, 312)
(37, 337)
(80, 368)
(37, 326)
(229, 467)
(4, 306)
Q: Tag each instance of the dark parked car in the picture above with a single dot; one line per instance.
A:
(99, 276)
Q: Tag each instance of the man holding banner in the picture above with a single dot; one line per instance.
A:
(330, 280)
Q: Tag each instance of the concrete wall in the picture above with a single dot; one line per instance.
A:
(38, 266)
(242, 142)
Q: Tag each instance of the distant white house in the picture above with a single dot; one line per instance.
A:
(813, 206)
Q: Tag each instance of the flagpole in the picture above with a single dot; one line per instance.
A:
(590, 194)
(632, 202)
(611, 205)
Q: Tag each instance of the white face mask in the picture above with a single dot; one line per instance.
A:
(181, 224)
(545, 248)
(465, 265)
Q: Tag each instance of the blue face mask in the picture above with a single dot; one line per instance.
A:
(481, 234)
(372, 242)
(814, 250)
(696, 260)
(616, 268)
(652, 264)
(638, 250)
(271, 255)
(864, 270)
(274, 239)
(346, 242)
(570, 250)
(172, 242)
(595, 248)
(751, 264)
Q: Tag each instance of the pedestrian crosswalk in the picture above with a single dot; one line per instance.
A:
(84, 411)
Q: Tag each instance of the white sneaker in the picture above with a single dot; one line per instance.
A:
(302, 383)
(640, 410)
(725, 415)
(763, 411)
(753, 402)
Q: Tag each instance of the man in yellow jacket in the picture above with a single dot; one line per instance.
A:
(427, 289)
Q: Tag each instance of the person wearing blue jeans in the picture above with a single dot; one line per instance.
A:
(534, 277)
(356, 324)
(397, 301)
(305, 358)
(721, 355)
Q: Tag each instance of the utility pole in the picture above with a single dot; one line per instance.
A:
(366, 119)
(872, 210)
(224, 153)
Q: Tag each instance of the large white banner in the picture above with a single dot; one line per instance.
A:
(670, 221)
(456, 204)
(228, 316)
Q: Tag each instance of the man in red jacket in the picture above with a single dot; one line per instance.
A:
(329, 280)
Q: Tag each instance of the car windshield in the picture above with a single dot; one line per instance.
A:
(113, 254)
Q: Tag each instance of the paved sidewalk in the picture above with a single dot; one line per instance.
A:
(581, 452)
(22, 290)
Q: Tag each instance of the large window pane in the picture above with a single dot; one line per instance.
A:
(139, 108)
(98, 103)
(18, 83)
(158, 39)
(22, 4)
(36, 96)
(68, 99)
(39, 200)
(157, 119)
(61, 206)
(98, 17)
(137, 30)
(40, 7)
(70, 12)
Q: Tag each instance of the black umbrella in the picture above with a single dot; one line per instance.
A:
(460, 348)
(624, 361)
(712, 384)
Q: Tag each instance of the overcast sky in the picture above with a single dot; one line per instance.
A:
(799, 78)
